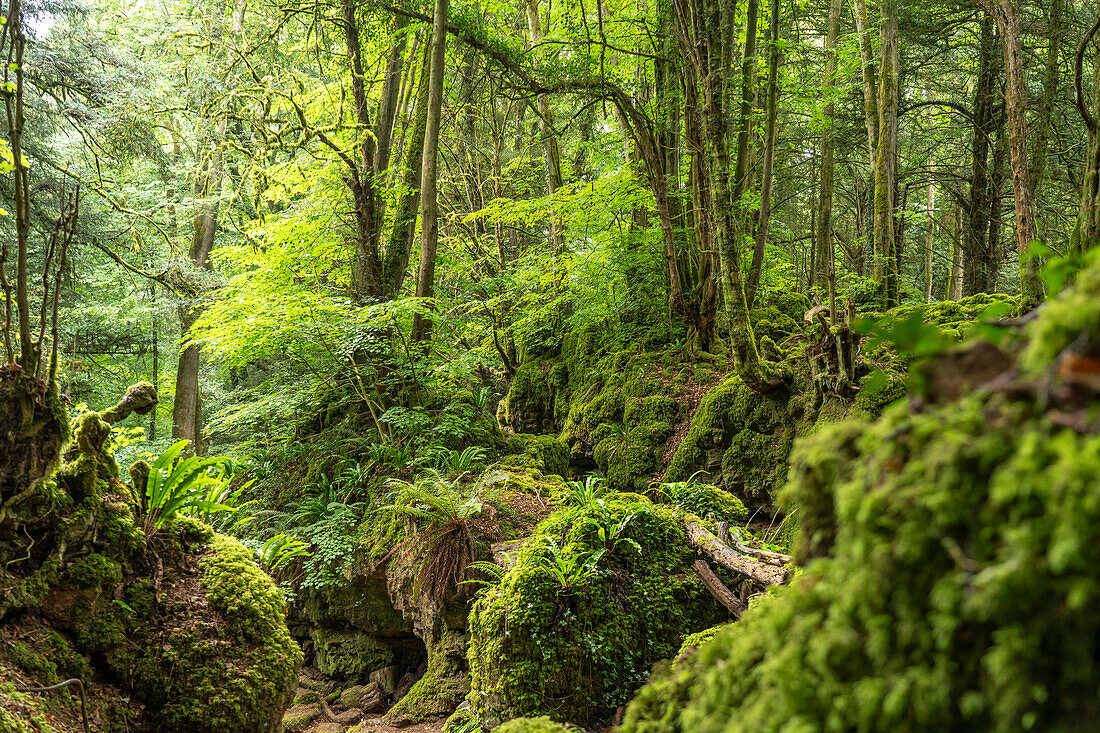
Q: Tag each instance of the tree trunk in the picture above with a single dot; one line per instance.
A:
(1016, 93)
(707, 45)
(978, 267)
(429, 211)
(1086, 232)
(551, 152)
(886, 260)
(1056, 31)
(930, 212)
(824, 233)
(771, 113)
(403, 232)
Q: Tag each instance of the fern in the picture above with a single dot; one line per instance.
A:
(190, 485)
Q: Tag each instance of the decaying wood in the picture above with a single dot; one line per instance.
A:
(709, 545)
(773, 558)
(718, 589)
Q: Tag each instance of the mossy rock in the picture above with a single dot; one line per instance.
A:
(547, 453)
(541, 724)
(349, 655)
(34, 427)
(739, 437)
(238, 674)
(652, 409)
(575, 652)
(878, 389)
(630, 462)
(444, 685)
(951, 574)
(529, 405)
(706, 501)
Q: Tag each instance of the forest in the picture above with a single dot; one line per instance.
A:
(520, 366)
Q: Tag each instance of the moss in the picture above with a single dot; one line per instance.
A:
(792, 305)
(953, 583)
(529, 405)
(1065, 318)
(548, 453)
(463, 720)
(22, 712)
(541, 724)
(878, 389)
(707, 502)
(576, 651)
(444, 685)
(704, 375)
(740, 436)
(233, 677)
(655, 408)
(93, 571)
(349, 655)
(628, 462)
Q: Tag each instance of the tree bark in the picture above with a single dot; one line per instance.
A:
(978, 267)
(1086, 232)
(551, 151)
(1016, 93)
(771, 113)
(886, 260)
(719, 590)
(403, 231)
(709, 545)
(824, 233)
(429, 204)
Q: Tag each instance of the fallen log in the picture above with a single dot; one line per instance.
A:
(718, 589)
(712, 547)
(775, 558)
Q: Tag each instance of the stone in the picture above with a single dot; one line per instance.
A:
(299, 717)
(387, 678)
(370, 698)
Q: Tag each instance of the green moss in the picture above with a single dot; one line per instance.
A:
(547, 453)
(878, 389)
(349, 655)
(576, 651)
(707, 502)
(529, 405)
(22, 712)
(236, 676)
(628, 462)
(541, 724)
(655, 408)
(934, 533)
(741, 436)
(444, 685)
(93, 571)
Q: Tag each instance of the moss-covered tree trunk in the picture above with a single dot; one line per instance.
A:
(886, 255)
(429, 175)
(1086, 233)
(1005, 13)
(706, 34)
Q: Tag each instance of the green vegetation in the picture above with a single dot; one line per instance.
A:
(516, 361)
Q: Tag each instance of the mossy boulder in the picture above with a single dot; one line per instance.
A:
(444, 685)
(183, 623)
(951, 570)
(706, 501)
(239, 672)
(541, 724)
(547, 453)
(574, 643)
(741, 438)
